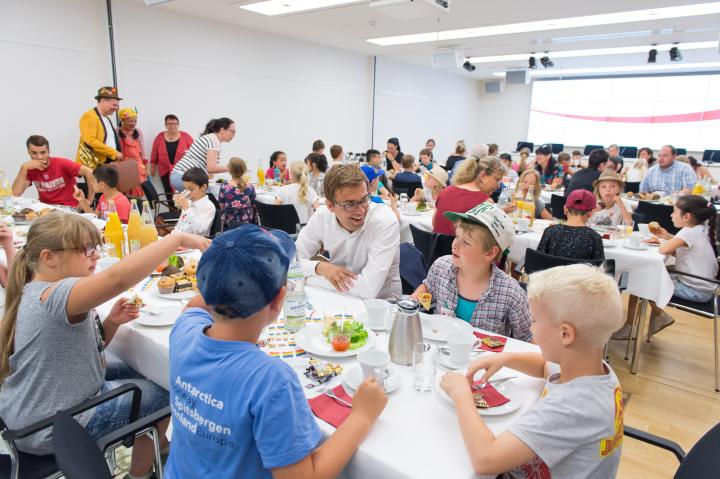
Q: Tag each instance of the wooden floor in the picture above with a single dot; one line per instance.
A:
(672, 394)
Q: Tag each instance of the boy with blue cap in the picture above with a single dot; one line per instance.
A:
(237, 412)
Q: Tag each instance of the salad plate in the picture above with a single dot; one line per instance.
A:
(314, 339)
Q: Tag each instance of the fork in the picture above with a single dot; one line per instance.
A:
(494, 382)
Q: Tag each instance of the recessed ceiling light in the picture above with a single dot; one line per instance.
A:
(617, 69)
(554, 24)
(284, 7)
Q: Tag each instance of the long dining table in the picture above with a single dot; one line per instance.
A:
(417, 435)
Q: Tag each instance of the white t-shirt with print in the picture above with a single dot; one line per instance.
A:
(608, 216)
(697, 258)
(289, 196)
(576, 429)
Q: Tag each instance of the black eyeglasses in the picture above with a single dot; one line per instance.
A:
(353, 205)
(89, 250)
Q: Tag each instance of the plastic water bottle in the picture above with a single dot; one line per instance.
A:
(504, 199)
(403, 201)
(276, 176)
(295, 298)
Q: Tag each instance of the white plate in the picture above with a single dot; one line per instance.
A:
(160, 320)
(444, 360)
(353, 378)
(654, 245)
(173, 296)
(311, 339)
(410, 213)
(436, 327)
(640, 247)
(511, 391)
(609, 243)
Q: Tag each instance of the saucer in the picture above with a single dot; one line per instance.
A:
(444, 360)
(353, 378)
(640, 247)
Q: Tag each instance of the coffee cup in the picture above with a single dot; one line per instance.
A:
(377, 310)
(634, 241)
(374, 364)
(644, 230)
(523, 224)
(460, 343)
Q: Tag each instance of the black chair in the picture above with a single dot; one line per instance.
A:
(557, 206)
(226, 225)
(628, 151)
(432, 245)
(216, 226)
(647, 212)
(711, 156)
(80, 457)
(278, 217)
(537, 261)
(524, 144)
(17, 464)
(408, 188)
(157, 199)
(681, 151)
(556, 147)
(413, 269)
(633, 186)
(703, 459)
(590, 148)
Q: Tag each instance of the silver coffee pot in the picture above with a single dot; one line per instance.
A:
(406, 331)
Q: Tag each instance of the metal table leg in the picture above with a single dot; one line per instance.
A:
(641, 327)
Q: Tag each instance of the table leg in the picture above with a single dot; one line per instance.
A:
(633, 326)
(641, 326)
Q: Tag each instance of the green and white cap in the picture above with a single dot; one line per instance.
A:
(499, 224)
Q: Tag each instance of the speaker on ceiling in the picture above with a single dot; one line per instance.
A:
(493, 86)
(517, 77)
(447, 59)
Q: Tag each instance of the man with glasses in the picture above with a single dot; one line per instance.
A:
(362, 238)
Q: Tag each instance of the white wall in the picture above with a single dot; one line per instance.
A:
(504, 116)
(54, 56)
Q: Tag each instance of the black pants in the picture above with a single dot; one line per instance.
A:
(165, 179)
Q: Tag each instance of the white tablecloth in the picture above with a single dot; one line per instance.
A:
(417, 435)
(422, 221)
(647, 276)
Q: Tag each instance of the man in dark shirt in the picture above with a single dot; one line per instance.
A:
(583, 179)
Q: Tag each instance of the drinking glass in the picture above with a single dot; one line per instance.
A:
(424, 367)
(628, 227)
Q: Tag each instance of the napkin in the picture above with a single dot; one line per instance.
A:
(491, 395)
(484, 347)
(328, 409)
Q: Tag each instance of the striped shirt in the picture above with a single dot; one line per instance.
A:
(196, 155)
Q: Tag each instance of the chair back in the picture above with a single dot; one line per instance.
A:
(647, 212)
(524, 144)
(628, 151)
(711, 156)
(408, 188)
(537, 261)
(590, 148)
(77, 454)
(412, 267)
(681, 151)
(216, 225)
(557, 206)
(150, 192)
(557, 148)
(432, 245)
(703, 460)
(279, 217)
(633, 186)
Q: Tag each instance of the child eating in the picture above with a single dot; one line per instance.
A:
(468, 284)
(576, 428)
(197, 211)
(574, 240)
(106, 180)
(612, 208)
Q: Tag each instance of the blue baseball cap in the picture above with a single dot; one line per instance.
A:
(244, 269)
(371, 172)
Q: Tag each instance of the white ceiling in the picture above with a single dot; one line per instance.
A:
(348, 27)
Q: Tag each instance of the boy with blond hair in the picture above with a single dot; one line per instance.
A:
(576, 429)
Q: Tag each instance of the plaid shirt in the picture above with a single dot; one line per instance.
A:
(502, 308)
(669, 180)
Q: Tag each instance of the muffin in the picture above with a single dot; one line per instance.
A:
(166, 285)
(191, 269)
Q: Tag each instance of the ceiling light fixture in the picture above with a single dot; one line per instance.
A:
(675, 55)
(652, 55)
(469, 66)
(284, 7)
(621, 69)
(554, 24)
(546, 62)
(532, 63)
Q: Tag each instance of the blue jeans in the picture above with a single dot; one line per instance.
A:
(691, 294)
(114, 414)
(176, 181)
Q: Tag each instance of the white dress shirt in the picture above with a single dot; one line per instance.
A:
(372, 252)
(198, 218)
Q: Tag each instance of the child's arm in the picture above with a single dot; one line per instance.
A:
(83, 203)
(94, 290)
(420, 290)
(671, 245)
(330, 458)
(532, 364)
(626, 216)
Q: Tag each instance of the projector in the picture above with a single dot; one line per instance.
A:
(411, 9)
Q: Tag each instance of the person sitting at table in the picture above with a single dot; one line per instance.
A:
(197, 212)
(362, 237)
(105, 179)
(648, 155)
(393, 157)
(53, 177)
(337, 155)
(637, 172)
(317, 166)
(237, 196)
(435, 181)
(278, 161)
(373, 177)
(524, 162)
(407, 173)
(477, 178)
(695, 252)
(550, 170)
(532, 177)
(298, 193)
(507, 162)
(576, 429)
(576, 159)
(669, 176)
(612, 209)
(584, 178)
(53, 343)
(426, 162)
(458, 155)
(700, 171)
(468, 284)
(255, 406)
(574, 240)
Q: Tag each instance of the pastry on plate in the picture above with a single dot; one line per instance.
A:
(183, 285)
(491, 342)
(166, 285)
(191, 268)
(480, 401)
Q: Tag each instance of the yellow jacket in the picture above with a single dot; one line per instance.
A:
(93, 134)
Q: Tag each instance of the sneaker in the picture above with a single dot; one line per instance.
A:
(623, 334)
(660, 322)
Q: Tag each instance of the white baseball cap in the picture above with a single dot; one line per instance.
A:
(499, 224)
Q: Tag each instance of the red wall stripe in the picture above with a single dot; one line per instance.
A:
(676, 118)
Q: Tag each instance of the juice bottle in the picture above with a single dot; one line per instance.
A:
(133, 227)
(529, 206)
(113, 231)
(260, 174)
(698, 189)
(148, 232)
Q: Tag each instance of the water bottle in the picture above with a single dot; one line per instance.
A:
(295, 298)
(276, 176)
(403, 201)
(503, 200)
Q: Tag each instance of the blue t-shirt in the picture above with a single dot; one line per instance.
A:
(236, 412)
(465, 309)
(407, 177)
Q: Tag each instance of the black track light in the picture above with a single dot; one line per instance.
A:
(469, 66)
(532, 63)
(652, 56)
(675, 55)
(546, 62)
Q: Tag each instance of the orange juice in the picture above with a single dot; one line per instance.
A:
(260, 174)
(148, 234)
(698, 189)
(113, 231)
(133, 228)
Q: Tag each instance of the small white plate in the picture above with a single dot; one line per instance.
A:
(444, 360)
(190, 294)
(353, 378)
(436, 327)
(156, 321)
(311, 339)
(514, 393)
(640, 247)
(653, 245)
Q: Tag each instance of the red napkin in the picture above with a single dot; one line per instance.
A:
(329, 410)
(491, 395)
(484, 347)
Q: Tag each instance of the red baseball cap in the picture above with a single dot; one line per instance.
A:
(581, 200)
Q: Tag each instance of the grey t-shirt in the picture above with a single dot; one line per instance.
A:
(576, 429)
(56, 365)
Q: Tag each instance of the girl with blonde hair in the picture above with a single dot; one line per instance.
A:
(237, 196)
(298, 193)
(53, 342)
(459, 155)
(527, 178)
